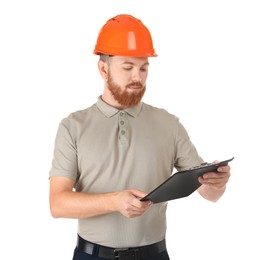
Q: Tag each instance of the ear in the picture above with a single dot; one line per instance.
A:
(103, 69)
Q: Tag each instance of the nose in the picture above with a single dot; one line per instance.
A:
(137, 75)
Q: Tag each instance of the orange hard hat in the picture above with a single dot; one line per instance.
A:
(125, 35)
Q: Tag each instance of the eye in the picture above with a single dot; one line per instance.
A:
(144, 69)
(127, 68)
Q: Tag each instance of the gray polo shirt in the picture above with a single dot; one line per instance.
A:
(105, 149)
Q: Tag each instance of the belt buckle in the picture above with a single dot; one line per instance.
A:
(126, 254)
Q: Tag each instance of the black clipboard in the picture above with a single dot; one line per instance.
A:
(183, 183)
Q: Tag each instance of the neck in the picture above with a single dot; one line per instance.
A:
(109, 99)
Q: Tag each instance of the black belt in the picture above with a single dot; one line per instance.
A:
(131, 253)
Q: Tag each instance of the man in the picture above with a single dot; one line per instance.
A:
(113, 153)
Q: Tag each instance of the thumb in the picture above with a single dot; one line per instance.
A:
(138, 193)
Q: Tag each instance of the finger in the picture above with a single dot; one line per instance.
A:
(141, 204)
(134, 211)
(225, 168)
(214, 175)
(138, 193)
(215, 181)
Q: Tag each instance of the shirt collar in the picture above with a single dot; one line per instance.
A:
(110, 111)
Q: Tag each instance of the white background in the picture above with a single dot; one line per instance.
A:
(212, 72)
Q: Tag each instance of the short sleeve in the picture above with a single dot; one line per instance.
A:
(186, 155)
(64, 161)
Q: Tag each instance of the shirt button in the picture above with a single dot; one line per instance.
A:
(121, 113)
(122, 122)
(122, 132)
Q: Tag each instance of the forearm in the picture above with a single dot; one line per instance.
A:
(70, 204)
(211, 193)
(66, 203)
(214, 184)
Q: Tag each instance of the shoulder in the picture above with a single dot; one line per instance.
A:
(83, 113)
(80, 116)
(165, 120)
(76, 121)
(158, 112)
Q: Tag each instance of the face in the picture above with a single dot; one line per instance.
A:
(127, 79)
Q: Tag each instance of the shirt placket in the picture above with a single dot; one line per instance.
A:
(123, 131)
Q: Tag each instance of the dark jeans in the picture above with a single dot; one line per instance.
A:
(83, 256)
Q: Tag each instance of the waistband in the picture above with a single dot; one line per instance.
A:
(130, 253)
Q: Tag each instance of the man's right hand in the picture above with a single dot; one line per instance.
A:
(128, 203)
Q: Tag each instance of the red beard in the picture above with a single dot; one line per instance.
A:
(123, 97)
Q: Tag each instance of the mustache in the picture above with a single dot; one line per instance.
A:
(135, 83)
